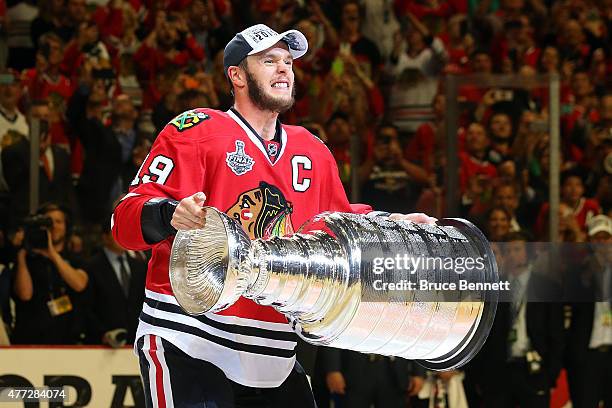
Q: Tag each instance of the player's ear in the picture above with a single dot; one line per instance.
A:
(237, 76)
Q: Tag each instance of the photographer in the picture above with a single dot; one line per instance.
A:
(47, 282)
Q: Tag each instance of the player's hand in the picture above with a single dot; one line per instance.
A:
(189, 213)
(335, 382)
(419, 218)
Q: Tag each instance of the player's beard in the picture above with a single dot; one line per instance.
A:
(263, 100)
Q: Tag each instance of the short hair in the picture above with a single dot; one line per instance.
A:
(338, 115)
(565, 175)
(581, 70)
(49, 37)
(479, 51)
(387, 124)
(506, 182)
(361, 9)
(493, 209)
(50, 206)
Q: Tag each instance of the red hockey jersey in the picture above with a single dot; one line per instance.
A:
(220, 154)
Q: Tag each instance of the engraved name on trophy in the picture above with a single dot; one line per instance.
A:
(328, 280)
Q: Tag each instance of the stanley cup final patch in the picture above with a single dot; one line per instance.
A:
(239, 162)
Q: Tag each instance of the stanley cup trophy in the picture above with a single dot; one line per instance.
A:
(357, 282)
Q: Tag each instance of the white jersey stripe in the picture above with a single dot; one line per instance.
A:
(152, 386)
(161, 297)
(165, 372)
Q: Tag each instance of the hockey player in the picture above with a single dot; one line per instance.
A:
(269, 177)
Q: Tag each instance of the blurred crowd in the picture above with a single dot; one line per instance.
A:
(104, 77)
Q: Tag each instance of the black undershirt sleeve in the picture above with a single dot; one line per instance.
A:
(155, 219)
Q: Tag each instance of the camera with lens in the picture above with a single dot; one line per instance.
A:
(35, 228)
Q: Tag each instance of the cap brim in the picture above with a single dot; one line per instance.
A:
(295, 40)
(598, 229)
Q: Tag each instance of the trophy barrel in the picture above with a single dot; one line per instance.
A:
(323, 279)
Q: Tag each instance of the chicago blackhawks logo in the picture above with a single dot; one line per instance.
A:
(263, 212)
(188, 119)
(239, 162)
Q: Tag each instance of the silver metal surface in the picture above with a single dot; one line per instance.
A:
(204, 264)
(322, 278)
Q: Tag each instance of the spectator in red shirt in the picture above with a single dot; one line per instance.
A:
(87, 47)
(516, 44)
(475, 173)
(46, 78)
(75, 14)
(170, 43)
(423, 147)
(480, 63)
(572, 195)
(459, 43)
(111, 18)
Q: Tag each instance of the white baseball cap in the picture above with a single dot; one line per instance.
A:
(258, 38)
(599, 223)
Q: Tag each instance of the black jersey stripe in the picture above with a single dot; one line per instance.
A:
(184, 328)
(230, 328)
